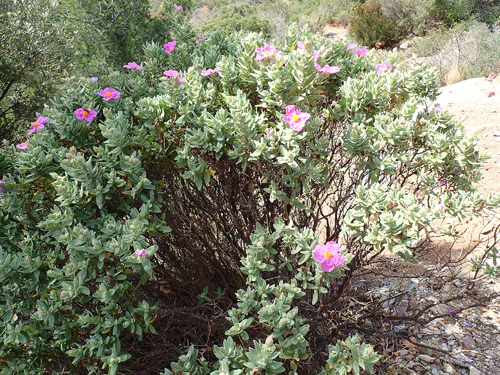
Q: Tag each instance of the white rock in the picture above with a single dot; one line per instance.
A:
(474, 371)
(405, 45)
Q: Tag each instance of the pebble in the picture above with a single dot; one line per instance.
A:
(402, 307)
(425, 358)
(474, 371)
(435, 370)
(469, 342)
(449, 369)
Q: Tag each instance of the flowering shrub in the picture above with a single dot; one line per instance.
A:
(190, 179)
(371, 27)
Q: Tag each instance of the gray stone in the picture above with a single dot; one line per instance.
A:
(400, 361)
(449, 369)
(469, 343)
(435, 370)
(446, 289)
(425, 358)
(400, 328)
(440, 309)
(474, 371)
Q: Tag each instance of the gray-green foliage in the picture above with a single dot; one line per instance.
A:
(349, 356)
(197, 174)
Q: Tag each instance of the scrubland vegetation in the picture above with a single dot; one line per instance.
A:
(163, 213)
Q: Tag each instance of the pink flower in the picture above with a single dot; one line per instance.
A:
(200, 38)
(22, 146)
(266, 53)
(441, 206)
(169, 47)
(300, 45)
(329, 256)
(441, 182)
(174, 74)
(351, 46)
(438, 108)
(85, 114)
(171, 73)
(384, 66)
(109, 93)
(266, 132)
(178, 7)
(361, 52)
(210, 72)
(316, 55)
(132, 65)
(141, 253)
(327, 69)
(94, 79)
(334, 104)
(38, 124)
(295, 118)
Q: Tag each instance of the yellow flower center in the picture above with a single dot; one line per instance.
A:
(328, 254)
(266, 53)
(295, 118)
(85, 113)
(35, 124)
(293, 47)
(108, 94)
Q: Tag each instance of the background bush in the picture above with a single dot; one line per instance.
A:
(455, 11)
(412, 17)
(36, 51)
(371, 26)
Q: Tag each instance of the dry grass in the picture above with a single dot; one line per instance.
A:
(454, 74)
(465, 52)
